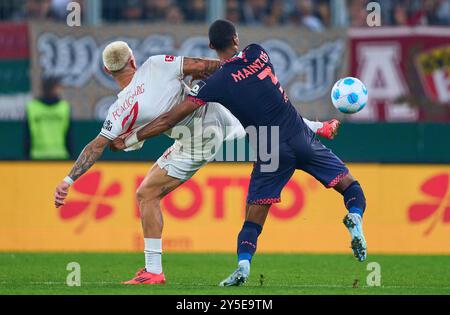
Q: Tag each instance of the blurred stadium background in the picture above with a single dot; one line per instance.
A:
(398, 146)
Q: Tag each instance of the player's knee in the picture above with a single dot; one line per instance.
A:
(354, 198)
(146, 193)
(140, 194)
(344, 183)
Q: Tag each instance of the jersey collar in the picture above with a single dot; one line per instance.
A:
(239, 55)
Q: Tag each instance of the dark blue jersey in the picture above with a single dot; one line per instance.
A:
(248, 87)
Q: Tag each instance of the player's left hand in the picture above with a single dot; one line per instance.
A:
(61, 194)
(117, 144)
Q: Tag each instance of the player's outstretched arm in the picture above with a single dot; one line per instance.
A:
(167, 120)
(199, 68)
(87, 158)
(161, 124)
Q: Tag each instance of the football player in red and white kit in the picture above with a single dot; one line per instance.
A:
(146, 94)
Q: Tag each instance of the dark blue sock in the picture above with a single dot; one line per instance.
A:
(247, 239)
(354, 199)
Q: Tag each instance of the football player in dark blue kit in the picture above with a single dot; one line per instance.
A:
(246, 84)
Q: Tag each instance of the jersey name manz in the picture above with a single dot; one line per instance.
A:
(252, 69)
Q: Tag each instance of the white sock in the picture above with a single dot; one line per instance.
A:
(356, 216)
(313, 125)
(245, 264)
(153, 253)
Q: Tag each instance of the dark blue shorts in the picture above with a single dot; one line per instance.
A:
(303, 152)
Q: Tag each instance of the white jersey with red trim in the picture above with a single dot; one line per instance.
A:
(156, 87)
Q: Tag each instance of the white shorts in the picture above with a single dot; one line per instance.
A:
(178, 164)
(183, 164)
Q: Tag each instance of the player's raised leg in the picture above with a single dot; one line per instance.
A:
(326, 129)
(355, 202)
(319, 161)
(154, 187)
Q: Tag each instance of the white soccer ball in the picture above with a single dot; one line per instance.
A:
(349, 95)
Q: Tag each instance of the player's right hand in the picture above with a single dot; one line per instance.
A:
(61, 193)
(118, 144)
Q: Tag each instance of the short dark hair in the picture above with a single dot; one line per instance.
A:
(221, 34)
(49, 83)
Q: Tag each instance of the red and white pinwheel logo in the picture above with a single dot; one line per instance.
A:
(93, 203)
(436, 206)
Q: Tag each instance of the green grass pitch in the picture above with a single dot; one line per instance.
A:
(200, 273)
